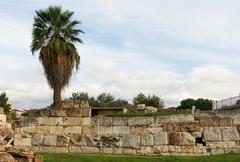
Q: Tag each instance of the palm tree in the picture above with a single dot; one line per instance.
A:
(54, 34)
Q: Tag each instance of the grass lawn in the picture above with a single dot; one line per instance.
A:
(72, 157)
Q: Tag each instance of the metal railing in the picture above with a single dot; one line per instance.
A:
(226, 103)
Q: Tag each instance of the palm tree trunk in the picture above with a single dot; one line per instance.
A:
(57, 95)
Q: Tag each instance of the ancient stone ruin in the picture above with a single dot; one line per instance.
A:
(71, 129)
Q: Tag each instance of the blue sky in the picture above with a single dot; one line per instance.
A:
(176, 49)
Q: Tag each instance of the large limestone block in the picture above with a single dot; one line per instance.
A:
(181, 127)
(28, 129)
(63, 141)
(26, 142)
(50, 121)
(86, 121)
(72, 112)
(161, 119)
(174, 149)
(160, 139)
(174, 138)
(119, 121)
(92, 140)
(131, 141)
(230, 134)
(138, 129)
(140, 121)
(72, 129)
(90, 150)
(146, 140)
(172, 127)
(72, 121)
(37, 139)
(212, 134)
(187, 139)
(74, 149)
(226, 144)
(56, 129)
(154, 129)
(104, 121)
(28, 121)
(42, 129)
(199, 149)
(105, 130)
(86, 129)
(182, 118)
(215, 121)
(120, 130)
(49, 140)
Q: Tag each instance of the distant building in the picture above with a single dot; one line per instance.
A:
(102, 111)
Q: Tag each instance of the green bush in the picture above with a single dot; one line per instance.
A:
(202, 104)
(151, 100)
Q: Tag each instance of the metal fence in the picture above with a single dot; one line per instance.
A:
(226, 103)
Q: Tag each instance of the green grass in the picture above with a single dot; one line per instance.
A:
(73, 157)
(135, 114)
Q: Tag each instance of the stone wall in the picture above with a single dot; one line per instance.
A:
(166, 135)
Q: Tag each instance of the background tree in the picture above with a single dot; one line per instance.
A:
(151, 100)
(202, 104)
(54, 34)
(4, 103)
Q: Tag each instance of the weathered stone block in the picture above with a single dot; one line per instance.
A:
(160, 139)
(190, 126)
(172, 127)
(199, 149)
(77, 140)
(144, 150)
(28, 121)
(215, 121)
(74, 149)
(120, 130)
(174, 138)
(72, 112)
(26, 142)
(49, 140)
(230, 134)
(174, 149)
(110, 141)
(42, 129)
(86, 121)
(186, 149)
(37, 139)
(182, 118)
(197, 134)
(212, 134)
(187, 139)
(72, 129)
(119, 121)
(146, 140)
(105, 129)
(92, 140)
(90, 150)
(63, 141)
(140, 121)
(86, 129)
(28, 129)
(104, 121)
(161, 119)
(49, 121)
(129, 151)
(131, 141)
(226, 144)
(138, 129)
(154, 129)
(160, 149)
(72, 121)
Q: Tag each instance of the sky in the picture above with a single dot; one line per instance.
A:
(176, 49)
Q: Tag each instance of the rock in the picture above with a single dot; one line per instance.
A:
(174, 138)
(77, 140)
(131, 141)
(187, 139)
(230, 134)
(120, 130)
(150, 109)
(63, 141)
(49, 140)
(212, 134)
(37, 139)
(135, 121)
(146, 140)
(160, 139)
(110, 141)
(6, 157)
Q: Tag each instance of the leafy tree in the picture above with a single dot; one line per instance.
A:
(103, 100)
(54, 34)
(151, 100)
(140, 99)
(4, 103)
(202, 104)
(155, 101)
